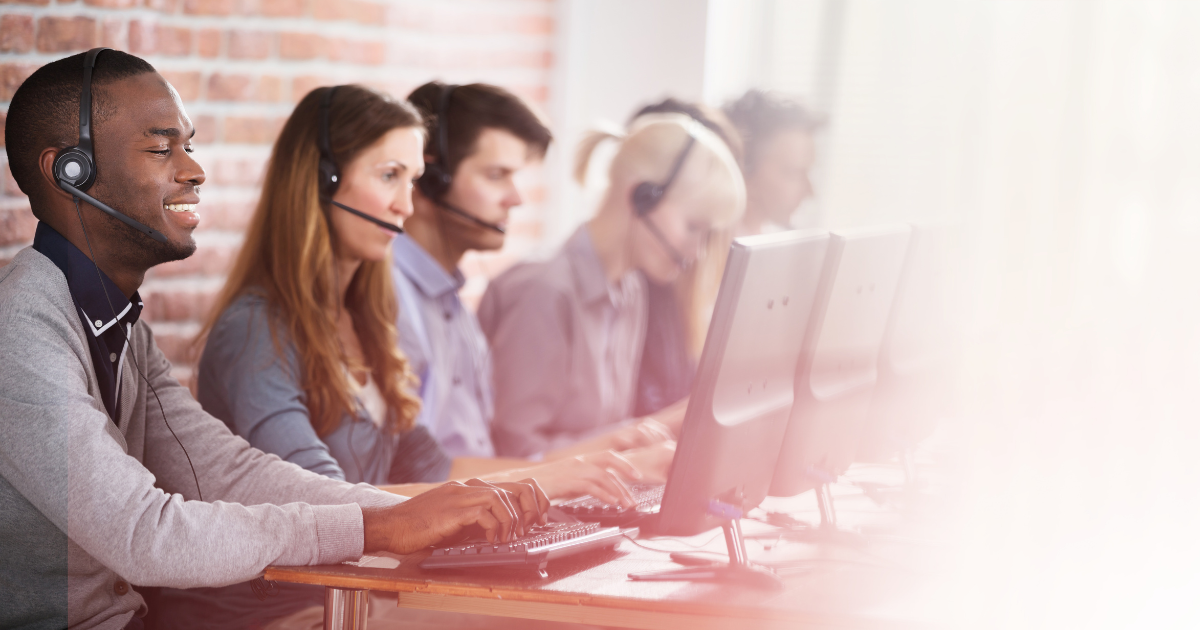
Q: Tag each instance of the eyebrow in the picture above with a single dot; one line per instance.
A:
(168, 132)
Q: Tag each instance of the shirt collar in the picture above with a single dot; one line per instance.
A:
(585, 263)
(91, 298)
(426, 273)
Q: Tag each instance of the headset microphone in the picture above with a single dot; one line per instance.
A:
(75, 167)
(436, 180)
(647, 195)
(328, 177)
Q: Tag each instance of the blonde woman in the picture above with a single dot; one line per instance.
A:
(567, 333)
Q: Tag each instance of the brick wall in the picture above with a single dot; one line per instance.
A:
(240, 66)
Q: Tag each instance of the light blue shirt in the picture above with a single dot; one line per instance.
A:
(445, 347)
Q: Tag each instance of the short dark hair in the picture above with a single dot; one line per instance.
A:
(473, 108)
(712, 118)
(45, 110)
(759, 115)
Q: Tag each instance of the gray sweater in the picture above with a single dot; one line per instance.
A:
(88, 506)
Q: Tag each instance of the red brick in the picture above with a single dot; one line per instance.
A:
(282, 8)
(164, 6)
(12, 75)
(302, 46)
(242, 87)
(235, 172)
(16, 226)
(178, 349)
(302, 85)
(37, 2)
(16, 33)
(360, 11)
(209, 260)
(177, 306)
(186, 83)
(147, 37)
(535, 93)
(357, 51)
(65, 34)
(208, 7)
(3, 119)
(251, 130)
(208, 42)
(249, 45)
(113, 34)
(8, 184)
(174, 41)
(427, 18)
(111, 4)
(206, 130)
(228, 215)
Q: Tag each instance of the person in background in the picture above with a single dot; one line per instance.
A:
(677, 313)
(300, 351)
(110, 473)
(480, 138)
(567, 333)
(777, 136)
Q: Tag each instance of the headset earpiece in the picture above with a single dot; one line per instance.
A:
(435, 181)
(76, 166)
(328, 177)
(647, 195)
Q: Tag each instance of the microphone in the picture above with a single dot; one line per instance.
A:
(363, 215)
(463, 214)
(144, 229)
(662, 240)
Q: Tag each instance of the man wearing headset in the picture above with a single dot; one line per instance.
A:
(480, 137)
(110, 473)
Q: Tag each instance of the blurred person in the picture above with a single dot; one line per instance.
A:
(480, 138)
(94, 495)
(778, 153)
(567, 333)
(677, 313)
(300, 352)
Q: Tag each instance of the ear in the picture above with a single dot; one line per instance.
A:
(46, 169)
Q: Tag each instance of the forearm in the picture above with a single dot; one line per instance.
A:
(468, 467)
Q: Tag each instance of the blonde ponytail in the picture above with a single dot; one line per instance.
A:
(587, 146)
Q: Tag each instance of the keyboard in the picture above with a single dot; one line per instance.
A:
(539, 545)
(588, 508)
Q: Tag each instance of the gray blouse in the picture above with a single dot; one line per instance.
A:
(566, 346)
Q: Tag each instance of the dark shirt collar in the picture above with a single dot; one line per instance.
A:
(90, 298)
(426, 273)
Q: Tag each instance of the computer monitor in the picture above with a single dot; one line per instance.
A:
(838, 364)
(743, 390)
(916, 356)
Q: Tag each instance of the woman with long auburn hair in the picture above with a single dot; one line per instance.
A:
(300, 353)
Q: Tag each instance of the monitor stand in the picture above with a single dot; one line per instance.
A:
(826, 532)
(738, 570)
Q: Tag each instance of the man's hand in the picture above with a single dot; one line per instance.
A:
(502, 511)
(645, 432)
(598, 474)
(653, 461)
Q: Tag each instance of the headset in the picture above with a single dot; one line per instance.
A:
(436, 180)
(75, 167)
(75, 170)
(647, 195)
(328, 177)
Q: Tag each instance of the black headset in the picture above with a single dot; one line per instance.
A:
(647, 195)
(328, 177)
(436, 180)
(75, 167)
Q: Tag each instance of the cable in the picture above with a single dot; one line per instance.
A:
(700, 546)
(132, 355)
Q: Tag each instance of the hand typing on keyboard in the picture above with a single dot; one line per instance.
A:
(502, 511)
(539, 545)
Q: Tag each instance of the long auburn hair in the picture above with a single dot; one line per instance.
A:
(288, 258)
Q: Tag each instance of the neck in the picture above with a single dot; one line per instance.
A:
(433, 235)
(128, 275)
(346, 268)
(610, 237)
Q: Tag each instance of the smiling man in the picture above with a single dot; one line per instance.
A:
(106, 462)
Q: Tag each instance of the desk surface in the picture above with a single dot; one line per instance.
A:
(889, 582)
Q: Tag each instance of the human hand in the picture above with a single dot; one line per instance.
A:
(645, 432)
(653, 461)
(598, 474)
(432, 516)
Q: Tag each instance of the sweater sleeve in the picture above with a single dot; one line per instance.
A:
(60, 443)
(246, 383)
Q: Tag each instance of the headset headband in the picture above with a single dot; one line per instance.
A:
(443, 127)
(323, 132)
(85, 101)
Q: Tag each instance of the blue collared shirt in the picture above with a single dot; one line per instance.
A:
(107, 316)
(445, 346)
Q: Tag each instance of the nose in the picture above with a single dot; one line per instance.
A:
(512, 198)
(402, 205)
(189, 171)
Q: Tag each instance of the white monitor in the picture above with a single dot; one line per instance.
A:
(838, 365)
(743, 391)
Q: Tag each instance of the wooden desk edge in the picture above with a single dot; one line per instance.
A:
(721, 615)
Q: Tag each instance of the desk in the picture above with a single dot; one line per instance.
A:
(886, 584)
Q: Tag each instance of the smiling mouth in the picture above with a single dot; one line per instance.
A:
(180, 207)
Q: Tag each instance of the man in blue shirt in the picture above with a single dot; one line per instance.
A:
(480, 137)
